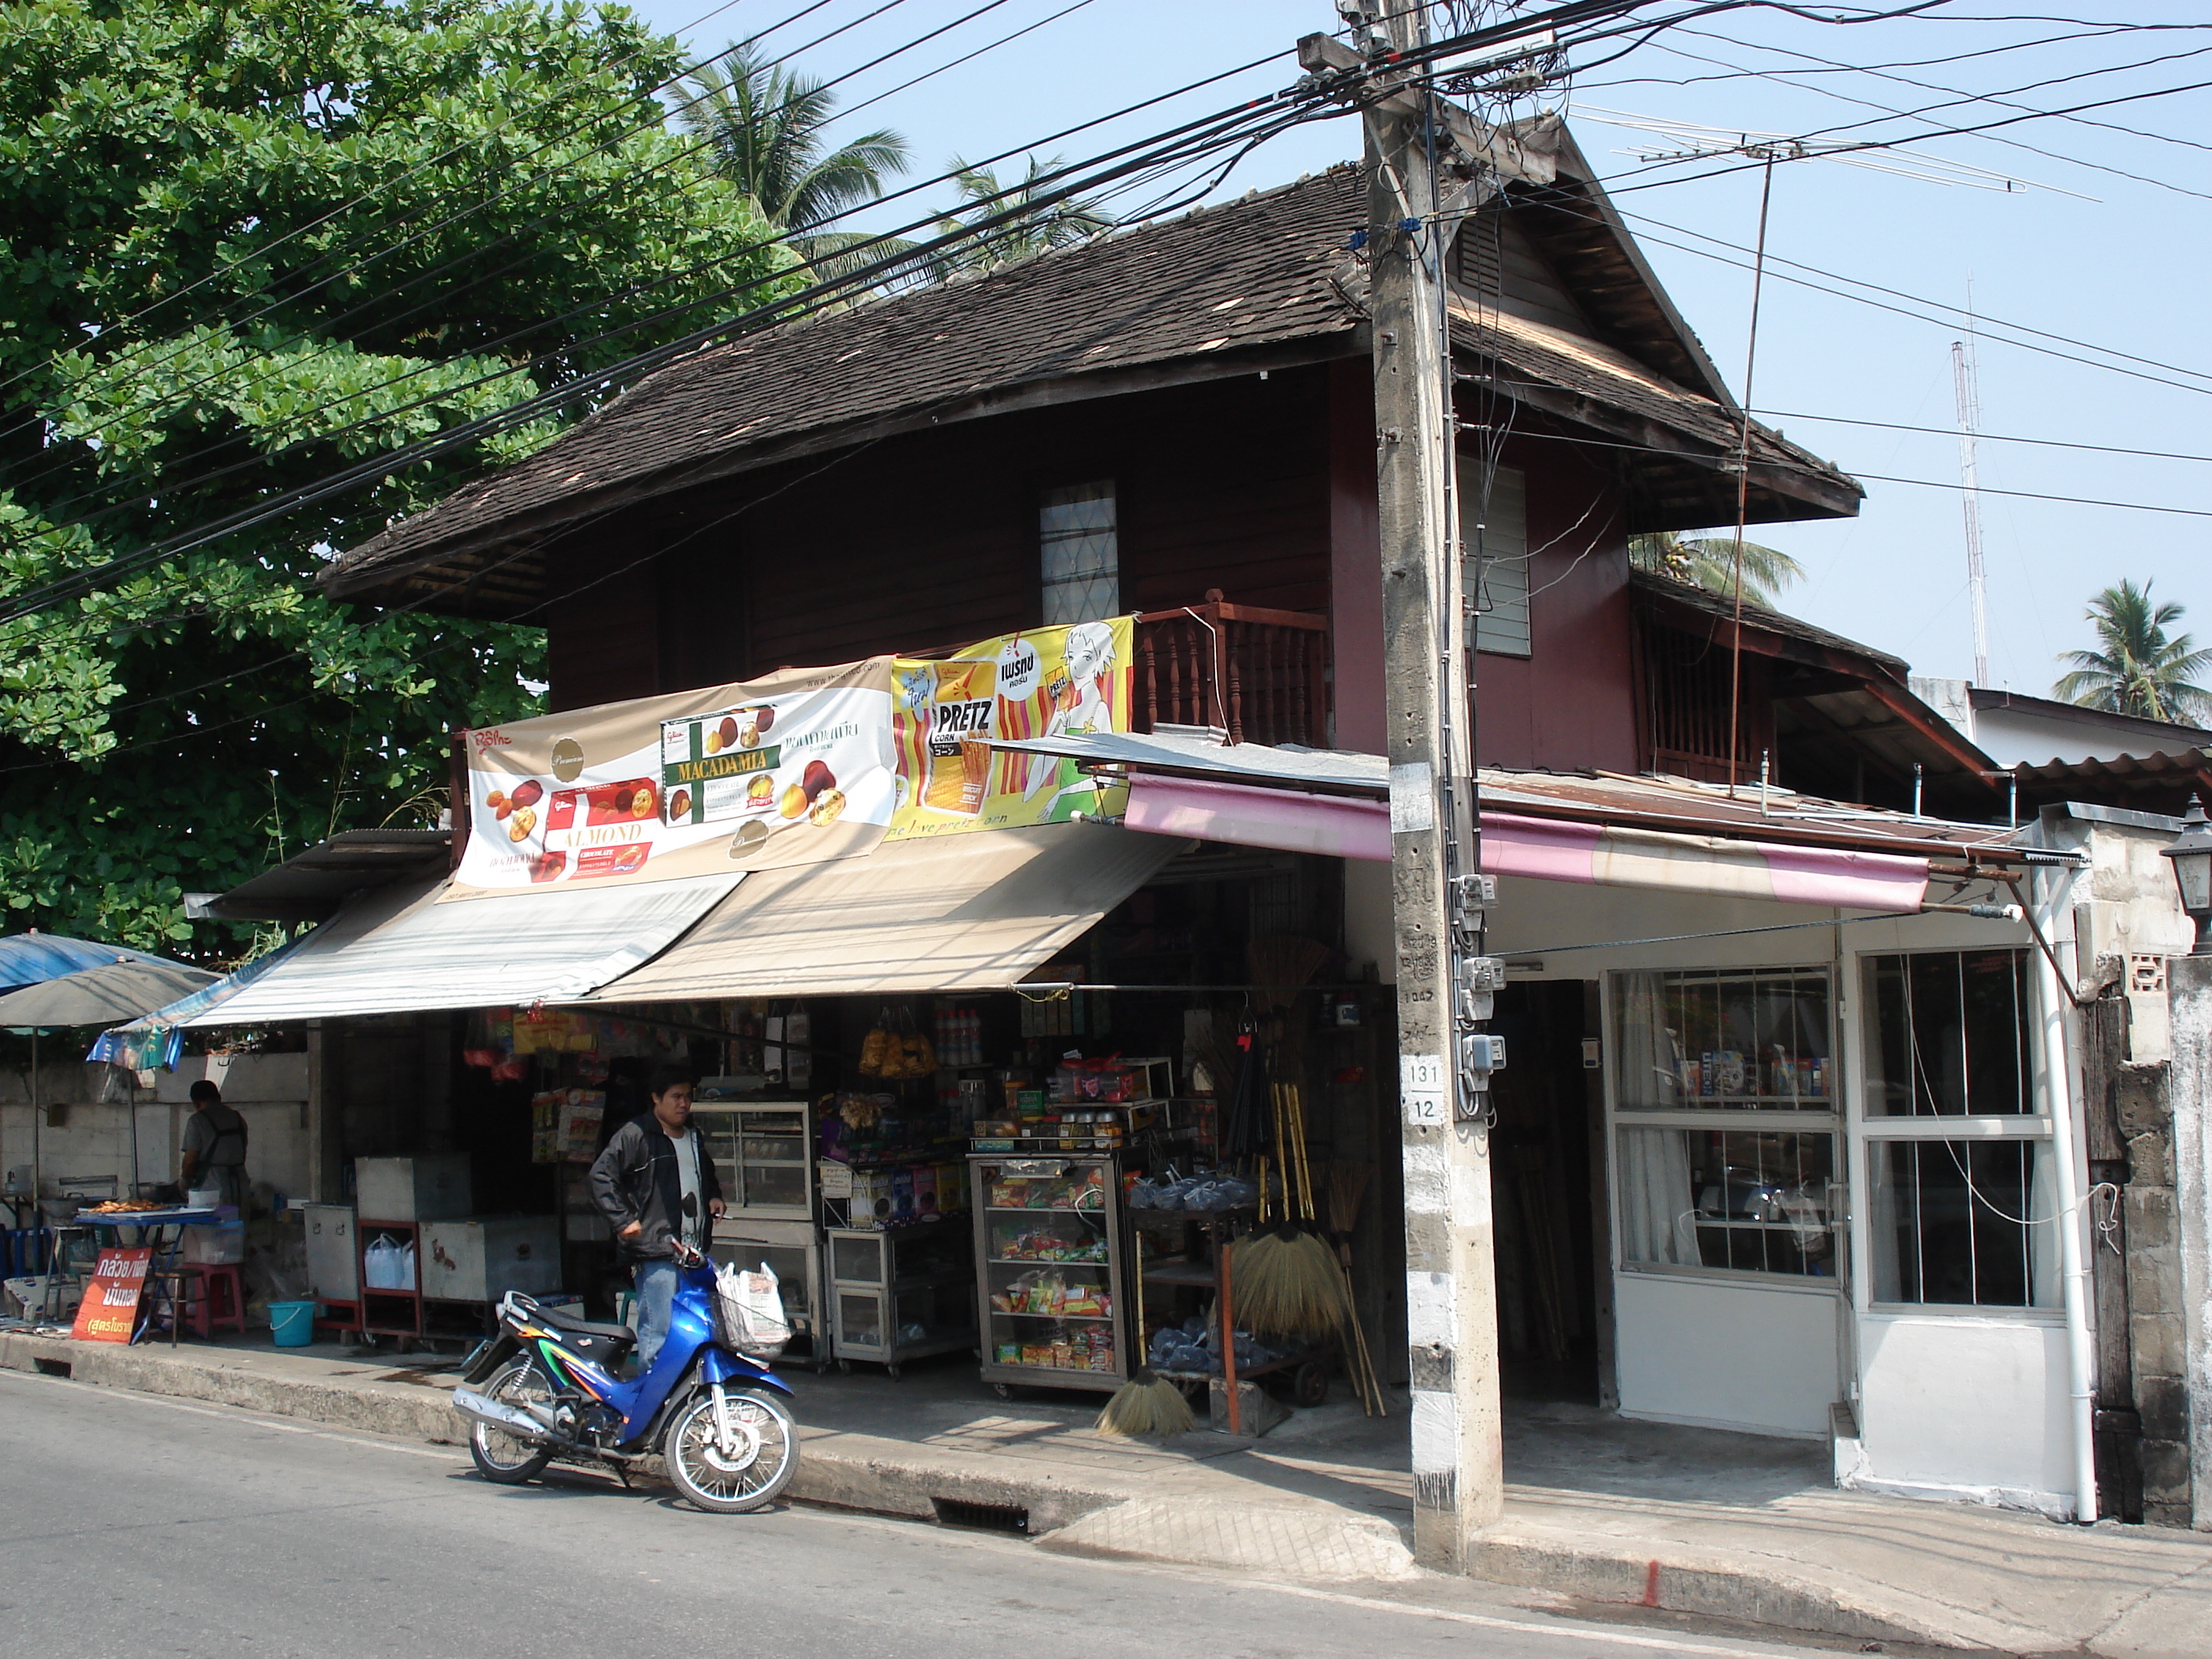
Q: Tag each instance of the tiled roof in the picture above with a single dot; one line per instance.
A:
(1270, 270)
(1721, 608)
(1253, 272)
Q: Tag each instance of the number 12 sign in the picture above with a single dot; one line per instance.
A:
(1424, 1087)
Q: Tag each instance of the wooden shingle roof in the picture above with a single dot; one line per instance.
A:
(1264, 280)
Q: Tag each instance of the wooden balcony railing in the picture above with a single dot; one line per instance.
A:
(1261, 676)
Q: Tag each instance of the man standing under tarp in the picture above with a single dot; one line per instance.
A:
(655, 1183)
(214, 1146)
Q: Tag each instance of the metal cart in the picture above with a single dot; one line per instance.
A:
(901, 1293)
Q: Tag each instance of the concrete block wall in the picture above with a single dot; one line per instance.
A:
(2189, 1100)
(2156, 1336)
(269, 1090)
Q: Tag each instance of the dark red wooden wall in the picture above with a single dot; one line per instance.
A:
(1263, 488)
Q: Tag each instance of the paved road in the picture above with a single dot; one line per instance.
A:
(140, 1528)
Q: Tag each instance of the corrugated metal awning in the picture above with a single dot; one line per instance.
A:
(962, 913)
(399, 951)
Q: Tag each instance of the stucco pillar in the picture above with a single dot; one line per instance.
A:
(2190, 1094)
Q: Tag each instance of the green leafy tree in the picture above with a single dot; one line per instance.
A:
(243, 246)
(2138, 669)
(1037, 225)
(763, 126)
(1708, 562)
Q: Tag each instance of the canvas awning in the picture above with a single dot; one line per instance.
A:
(399, 951)
(959, 913)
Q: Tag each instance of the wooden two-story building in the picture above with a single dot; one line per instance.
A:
(1721, 1199)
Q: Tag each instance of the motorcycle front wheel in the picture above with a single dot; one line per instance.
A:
(749, 1472)
(498, 1455)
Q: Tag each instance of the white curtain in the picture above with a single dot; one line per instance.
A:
(1657, 1208)
(1657, 1204)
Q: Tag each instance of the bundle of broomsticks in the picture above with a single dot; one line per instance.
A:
(1290, 1280)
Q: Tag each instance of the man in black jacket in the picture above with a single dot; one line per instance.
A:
(656, 1184)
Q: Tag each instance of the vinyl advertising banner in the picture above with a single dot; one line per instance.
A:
(1043, 682)
(794, 768)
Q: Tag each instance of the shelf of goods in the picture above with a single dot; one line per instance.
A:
(901, 1293)
(1049, 1241)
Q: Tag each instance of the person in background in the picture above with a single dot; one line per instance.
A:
(656, 1185)
(214, 1146)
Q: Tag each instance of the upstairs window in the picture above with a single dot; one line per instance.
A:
(1494, 531)
(1080, 554)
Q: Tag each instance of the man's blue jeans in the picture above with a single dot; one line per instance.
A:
(656, 1297)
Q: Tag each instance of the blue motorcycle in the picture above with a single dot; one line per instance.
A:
(545, 1389)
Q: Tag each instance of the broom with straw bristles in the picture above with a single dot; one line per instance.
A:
(1147, 1405)
(1288, 1280)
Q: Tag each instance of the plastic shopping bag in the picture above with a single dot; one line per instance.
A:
(751, 1305)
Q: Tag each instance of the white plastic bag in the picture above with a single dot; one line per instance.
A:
(753, 1320)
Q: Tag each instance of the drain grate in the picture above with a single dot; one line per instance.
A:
(989, 1517)
(52, 1367)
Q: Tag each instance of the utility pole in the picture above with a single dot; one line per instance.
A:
(1444, 982)
(1966, 388)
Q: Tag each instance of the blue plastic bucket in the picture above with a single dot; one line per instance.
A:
(292, 1323)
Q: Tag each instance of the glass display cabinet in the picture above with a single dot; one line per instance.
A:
(1049, 1247)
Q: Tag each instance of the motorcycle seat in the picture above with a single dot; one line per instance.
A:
(574, 1327)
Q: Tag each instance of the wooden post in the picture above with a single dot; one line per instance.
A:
(1458, 1454)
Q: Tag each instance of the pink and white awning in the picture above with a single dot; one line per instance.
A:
(1545, 850)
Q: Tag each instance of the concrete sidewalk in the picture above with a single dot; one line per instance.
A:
(1599, 1510)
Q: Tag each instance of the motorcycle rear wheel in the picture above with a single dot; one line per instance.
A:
(498, 1455)
(763, 1461)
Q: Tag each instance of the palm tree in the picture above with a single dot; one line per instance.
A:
(2139, 671)
(1708, 562)
(763, 129)
(1036, 224)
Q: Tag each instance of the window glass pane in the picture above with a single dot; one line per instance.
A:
(1963, 1222)
(1949, 1035)
(1081, 556)
(1749, 1040)
(1747, 1199)
(1495, 571)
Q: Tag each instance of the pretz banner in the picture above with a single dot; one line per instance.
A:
(1044, 682)
(794, 768)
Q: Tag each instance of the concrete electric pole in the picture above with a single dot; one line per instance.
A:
(1444, 982)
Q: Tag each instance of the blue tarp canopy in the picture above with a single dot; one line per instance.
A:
(34, 958)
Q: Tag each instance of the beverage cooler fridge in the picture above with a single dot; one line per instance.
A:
(1049, 1245)
(763, 1156)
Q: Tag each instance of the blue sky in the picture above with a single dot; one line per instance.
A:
(2107, 263)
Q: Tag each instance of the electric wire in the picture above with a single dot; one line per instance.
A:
(106, 370)
(1195, 132)
(364, 197)
(247, 718)
(515, 416)
(1985, 437)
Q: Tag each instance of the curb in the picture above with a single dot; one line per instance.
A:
(1675, 1581)
(381, 1408)
(838, 1470)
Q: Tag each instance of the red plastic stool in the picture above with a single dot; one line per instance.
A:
(206, 1311)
